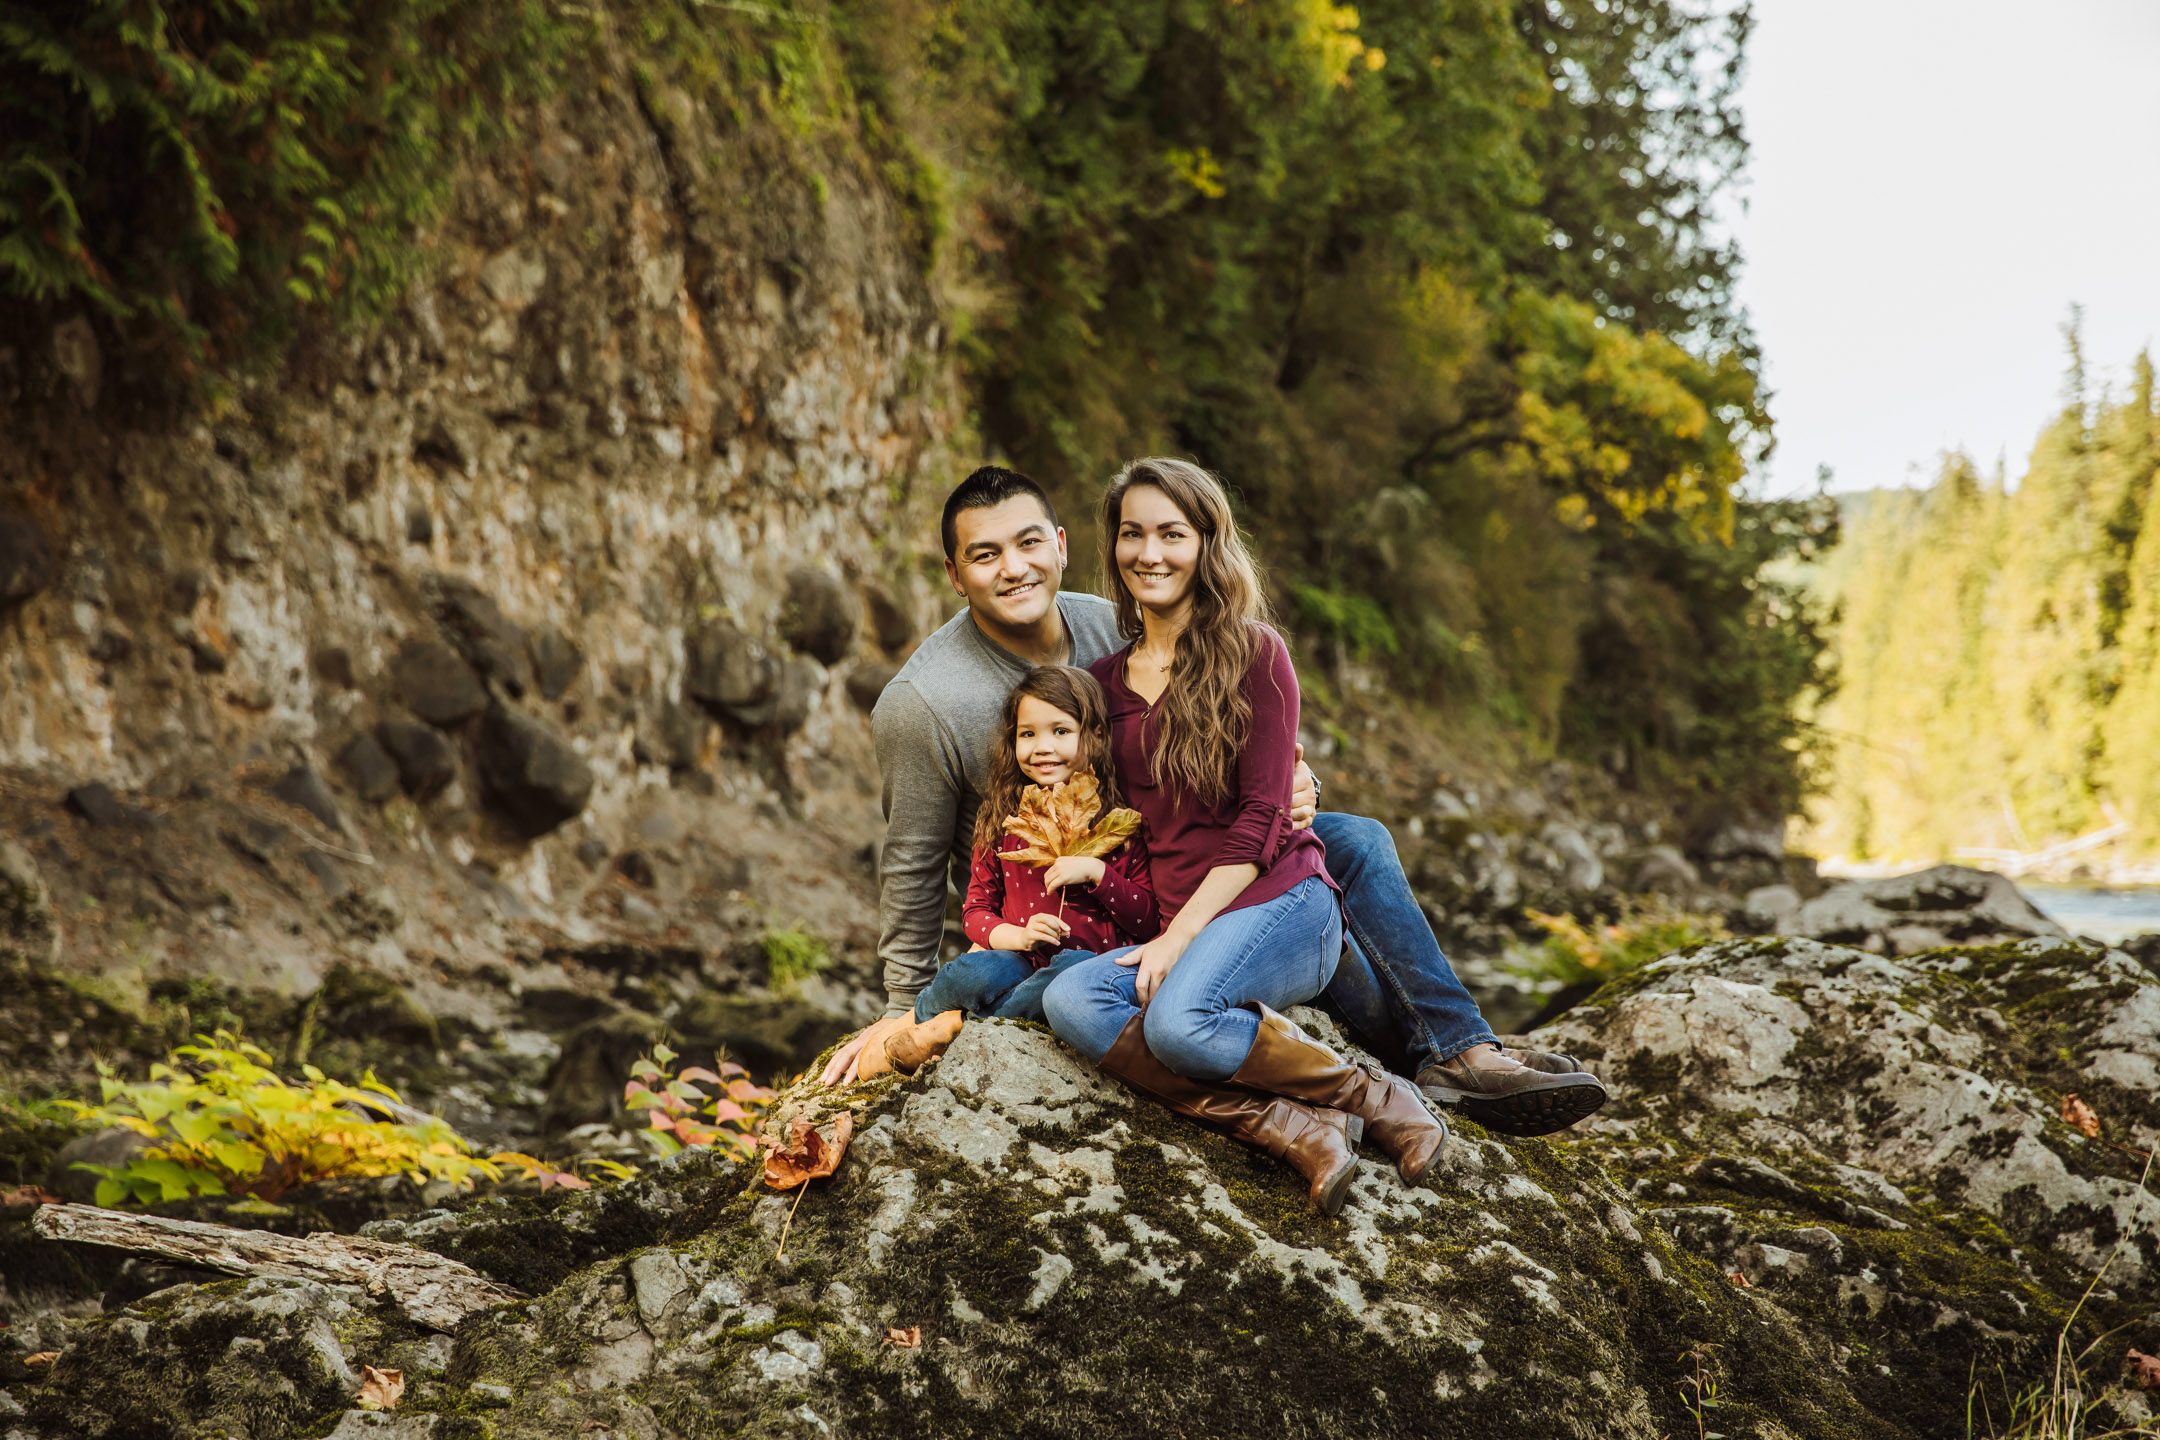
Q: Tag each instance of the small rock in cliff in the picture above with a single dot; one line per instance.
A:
(426, 762)
(820, 615)
(436, 684)
(27, 564)
(730, 673)
(530, 772)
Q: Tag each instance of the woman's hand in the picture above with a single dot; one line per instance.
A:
(1074, 870)
(1155, 960)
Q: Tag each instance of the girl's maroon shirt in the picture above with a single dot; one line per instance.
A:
(1250, 826)
(1116, 911)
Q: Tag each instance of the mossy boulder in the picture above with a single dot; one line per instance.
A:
(1783, 1194)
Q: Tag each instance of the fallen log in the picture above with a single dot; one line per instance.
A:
(433, 1290)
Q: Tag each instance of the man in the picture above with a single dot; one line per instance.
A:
(1005, 554)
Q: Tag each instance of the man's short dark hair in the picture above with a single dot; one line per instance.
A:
(991, 485)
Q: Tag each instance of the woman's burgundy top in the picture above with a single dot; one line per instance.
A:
(1116, 911)
(1251, 826)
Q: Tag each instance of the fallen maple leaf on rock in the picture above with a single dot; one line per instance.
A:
(381, 1389)
(23, 1195)
(2079, 1116)
(807, 1154)
(911, 1337)
(2144, 1369)
(1059, 820)
(40, 1360)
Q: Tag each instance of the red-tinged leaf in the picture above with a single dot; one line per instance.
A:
(2143, 1369)
(564, 1179)
(807, 1153)
(726, 1110)
(907, 1339)
(2079, 1116)
(729, 1067)
(699, 1072)
(744, 1090)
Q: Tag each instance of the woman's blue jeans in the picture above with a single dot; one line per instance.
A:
(1279, 954)
(993, 984)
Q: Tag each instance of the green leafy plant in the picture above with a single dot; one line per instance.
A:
(684, 1115)
(222, 1122)
(1699, 1391)
(219, 167)
(794, 954)
(1573, 952)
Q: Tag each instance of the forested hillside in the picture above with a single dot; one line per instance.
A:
(1999, 647)
(1433, 284)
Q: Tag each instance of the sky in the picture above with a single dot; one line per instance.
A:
(1932, 186)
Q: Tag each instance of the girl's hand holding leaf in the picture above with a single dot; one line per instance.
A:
(1046, 930)
(1074, 870)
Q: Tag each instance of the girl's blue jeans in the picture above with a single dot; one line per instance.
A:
(993, 984)
(1280, 954)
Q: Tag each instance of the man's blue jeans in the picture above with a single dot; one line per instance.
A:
(1393, 985)
(993, 984)
(1280, 953)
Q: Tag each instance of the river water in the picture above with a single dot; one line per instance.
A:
(2104, 914)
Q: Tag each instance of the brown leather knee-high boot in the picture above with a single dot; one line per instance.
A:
(1316, 1142)
(1286, 1061)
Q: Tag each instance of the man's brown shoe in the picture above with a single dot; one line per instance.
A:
(1506, 1095)
(1550, 1063)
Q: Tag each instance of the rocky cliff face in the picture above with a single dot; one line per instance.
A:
(514, 652)
(1832, 1184)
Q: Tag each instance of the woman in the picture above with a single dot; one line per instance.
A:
(1203, 718)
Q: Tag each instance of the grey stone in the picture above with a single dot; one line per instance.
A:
(374, 774)
(514, 277)
(104, 1148)
(1771, 909)
(27, 926)
(303, 786)
(426, 762)
(729, 673)
(97, 804)
(1663, 870)
(530, 772)
(866, 682)
(436, 684)
(1924, 909)
(555, 661)
(386, 1425)
(657, 1280)
(27, 564)
(671, 734)
(890, 624)
(1741, 836)
(77, 356)
(482, 633)
(1579, 866)
(819, 616)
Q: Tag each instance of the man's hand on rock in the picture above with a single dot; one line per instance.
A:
(845, 1066)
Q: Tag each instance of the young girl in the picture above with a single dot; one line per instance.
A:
(1031, 923)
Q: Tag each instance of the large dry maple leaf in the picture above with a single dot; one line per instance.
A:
(1054, 820)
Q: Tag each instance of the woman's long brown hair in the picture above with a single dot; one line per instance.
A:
(1079, 695)
(1204, 716)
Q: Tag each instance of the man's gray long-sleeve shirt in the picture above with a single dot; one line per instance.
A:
(934, 726)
